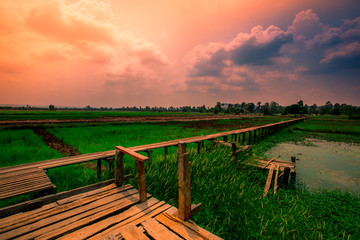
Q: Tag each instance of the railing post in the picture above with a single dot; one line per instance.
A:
(142, 180)
(98, 168)
(184, 182)
(165, 152)
(119, 171)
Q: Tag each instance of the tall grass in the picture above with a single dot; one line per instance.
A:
(234, 206)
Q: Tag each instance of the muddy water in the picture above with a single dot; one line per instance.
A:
(323, 164)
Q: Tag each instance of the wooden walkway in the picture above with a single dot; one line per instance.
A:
(107, 212)
(7, 189)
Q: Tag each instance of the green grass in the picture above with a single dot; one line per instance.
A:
(44, 114)
(231, 193)
(234, 206)
(23, 146)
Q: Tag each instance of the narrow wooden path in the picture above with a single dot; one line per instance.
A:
(107, 212)
(7, 189)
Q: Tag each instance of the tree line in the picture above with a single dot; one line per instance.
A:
(227, 108)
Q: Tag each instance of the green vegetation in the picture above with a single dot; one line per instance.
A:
(18, 146)
(6, 115)
(231, 192)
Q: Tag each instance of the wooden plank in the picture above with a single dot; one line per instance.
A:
(181, 228)
(96, 231)
(269, 179)
(139, 218)
(54, 211)
(133, 233)
(24, 227)
(132, 153)
(84, 218)
(93, 192)
(7, 211)
(276, 178)
(157, 231)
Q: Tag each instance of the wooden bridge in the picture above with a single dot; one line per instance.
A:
(109, 209)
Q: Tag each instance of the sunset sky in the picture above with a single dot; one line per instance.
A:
(179, 52)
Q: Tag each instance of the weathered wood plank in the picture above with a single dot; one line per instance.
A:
(121, 219)
(84, 218)
(7, 211)
(186, 229)
(269, 179)
(158, 231)
(132, 153)
(133, 233)
(24, 227)
(276, 178)
(54, 211)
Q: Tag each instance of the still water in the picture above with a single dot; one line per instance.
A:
(323, 164)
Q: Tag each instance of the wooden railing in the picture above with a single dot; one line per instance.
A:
(140, 162)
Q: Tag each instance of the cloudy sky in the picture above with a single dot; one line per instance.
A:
(179, 52)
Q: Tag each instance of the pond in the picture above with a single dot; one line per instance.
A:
(323, 164)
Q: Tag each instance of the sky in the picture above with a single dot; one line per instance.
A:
(179, 52)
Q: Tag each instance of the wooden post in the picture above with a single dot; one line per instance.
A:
(165, 152)
(235, 137)
(239, 138)
(184, 183)
(225, 138)
(233, 148)
(259, 134)
(119, 171)
(285, 181)
(243, 138)
(198, 147)
(149, 152)
(142, 180)
(111, 166)
(293, 173)
(98, 168)
(249, 137)
(254, 135)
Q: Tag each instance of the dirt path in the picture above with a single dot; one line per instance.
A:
(122, 119)
(55, 143)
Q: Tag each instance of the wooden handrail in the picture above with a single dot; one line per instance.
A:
(132, 153)
(140, 162)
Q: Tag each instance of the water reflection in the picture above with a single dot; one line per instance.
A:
(323, 164)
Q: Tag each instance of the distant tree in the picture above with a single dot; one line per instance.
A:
(274, 106)
(293, 109)
(336, 109)
(218, 108)
(51, 107)
(301, 103)
(266, 109)
(250, 107)
(258, 107)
